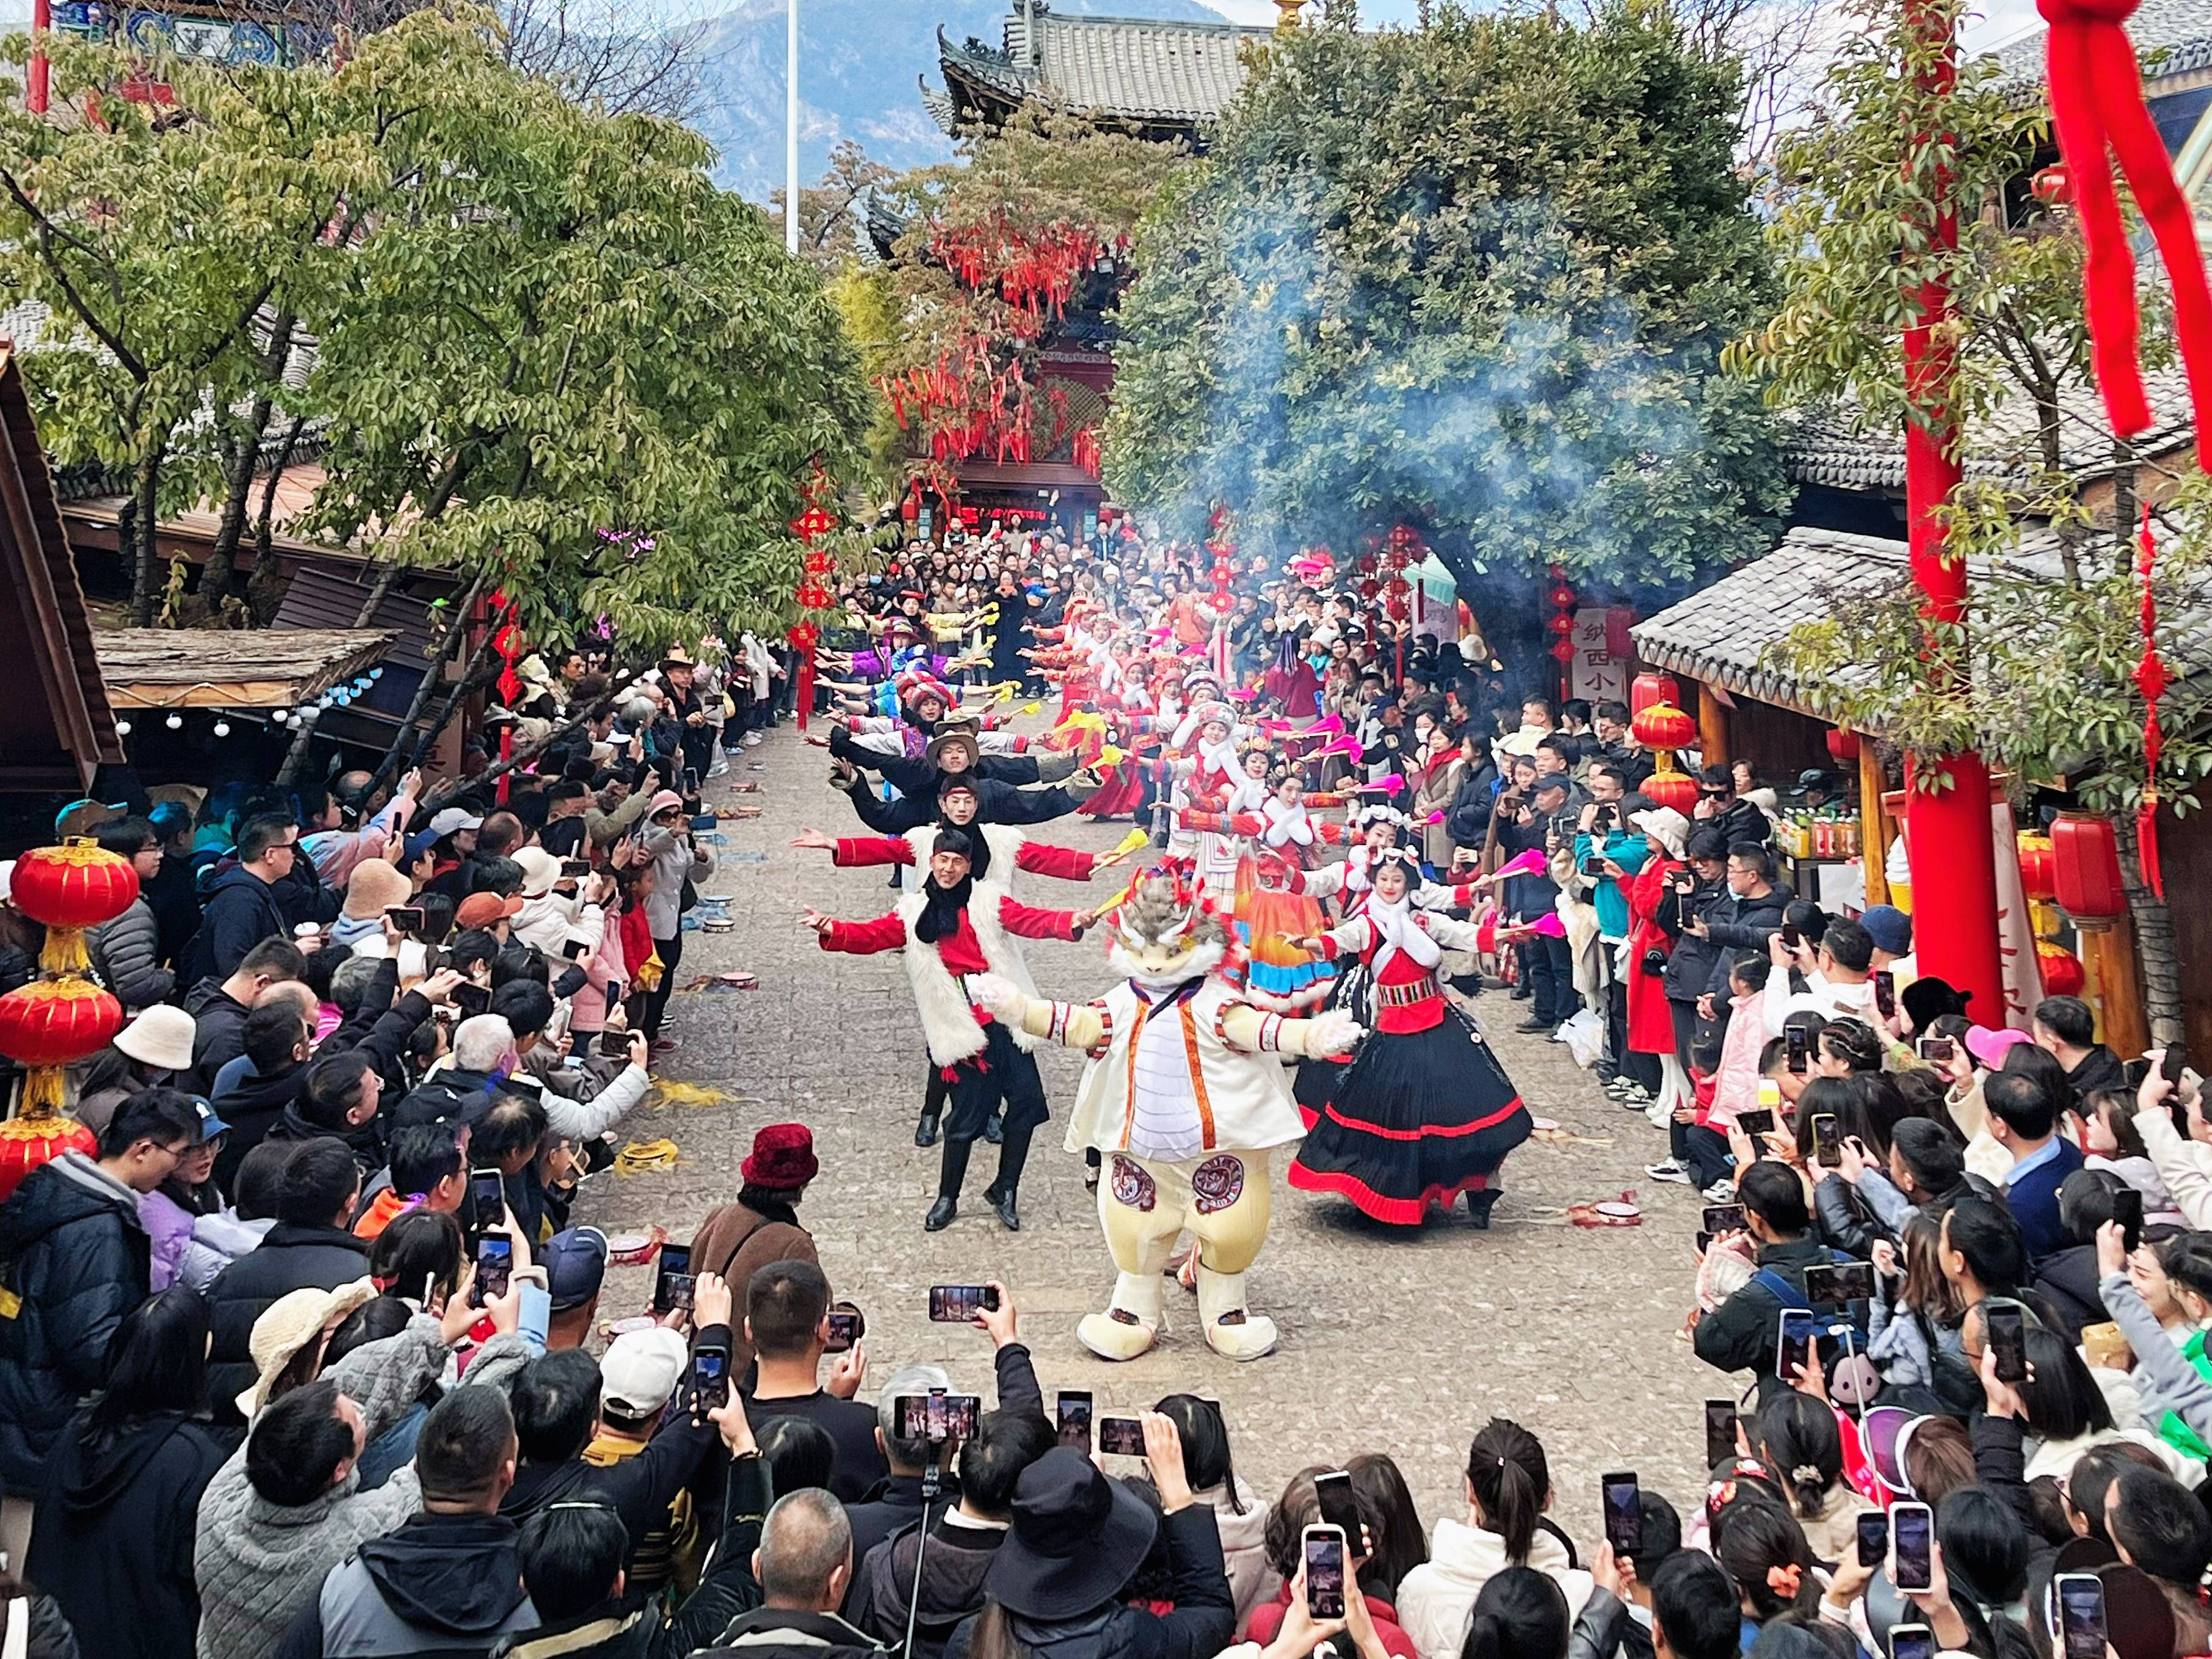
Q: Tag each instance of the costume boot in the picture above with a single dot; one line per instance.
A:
(1131, 1326)
(1233, 1330)
(1052, 767)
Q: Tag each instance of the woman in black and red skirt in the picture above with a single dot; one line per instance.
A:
(1424, 1112)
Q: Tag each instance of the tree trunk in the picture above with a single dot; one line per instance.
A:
(2154, 946)
(218, 577)
(145, 587)
(530, 751)
(260, 587)
(296, 757)
(379, 590)
(388, 767)
(466, 686)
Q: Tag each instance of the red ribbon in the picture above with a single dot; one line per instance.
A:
(2097, 100)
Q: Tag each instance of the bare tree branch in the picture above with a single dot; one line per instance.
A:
(618, 56)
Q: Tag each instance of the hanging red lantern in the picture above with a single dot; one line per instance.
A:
(1562, 652)
(1662, 727)
(1563, 597)
(1561, 625)
(2085, 868)
(69, 888)
(1670, 788)
(2038, 875)
(1647, 688)
(1843, 747)
(2051, 184)
(2063, 973)
(45, 1026)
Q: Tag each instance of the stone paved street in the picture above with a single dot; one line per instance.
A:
(1403, 1344)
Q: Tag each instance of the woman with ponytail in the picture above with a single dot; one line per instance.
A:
(1799, 1440)
(1509, 1487)
(1765, 1551)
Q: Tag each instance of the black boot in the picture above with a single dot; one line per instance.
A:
(925, 1133)
(1479, 1203)
(940, 1213)
(1092, 1162)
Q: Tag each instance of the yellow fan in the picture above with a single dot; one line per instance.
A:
(1109, 756)
(1032, 708)
(672, 1093)
(642, 1155)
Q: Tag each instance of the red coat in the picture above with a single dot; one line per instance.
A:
(1650, 1022)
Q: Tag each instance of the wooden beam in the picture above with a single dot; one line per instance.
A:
(1712, 727)
(1876, 826)
(2116, 982)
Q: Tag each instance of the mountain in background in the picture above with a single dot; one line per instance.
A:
(859, 61)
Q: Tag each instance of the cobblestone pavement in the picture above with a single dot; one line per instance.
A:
(1390, 1341)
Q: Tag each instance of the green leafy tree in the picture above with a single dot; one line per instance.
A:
(535, 320)
(1475, 277)
(2040, 677)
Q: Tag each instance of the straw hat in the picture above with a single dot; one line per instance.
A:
(288, 1324)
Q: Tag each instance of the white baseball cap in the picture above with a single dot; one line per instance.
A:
(454, 818)
(642, 1370)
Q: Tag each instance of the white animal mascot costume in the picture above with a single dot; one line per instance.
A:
(1184, 1097)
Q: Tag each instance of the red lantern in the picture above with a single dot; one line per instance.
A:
(2063, 973)
(45, 1026)
(1563, 651)
(2038, 874)
(1650, 688)
(69, 888)
(1561, 624)
(1563, 597)
(1676, 789)
(1843, 747)
(1662, 725)
(2050, 187)
(2085, 868)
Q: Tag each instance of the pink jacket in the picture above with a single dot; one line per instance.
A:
(1735, 1086)
(587, 1009)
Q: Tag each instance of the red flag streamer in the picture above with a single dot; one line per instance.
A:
(2097, 100)
(2152, 679)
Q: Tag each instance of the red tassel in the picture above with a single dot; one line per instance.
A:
(2146, 846)
(2096, 98)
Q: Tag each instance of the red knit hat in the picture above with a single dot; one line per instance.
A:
(782, 1158)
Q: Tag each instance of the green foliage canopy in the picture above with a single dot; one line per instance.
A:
(1476, 277)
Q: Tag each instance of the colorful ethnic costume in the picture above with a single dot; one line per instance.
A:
(1424, 1112)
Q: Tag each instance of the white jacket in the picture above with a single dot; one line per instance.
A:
(2185, 1166)
(1436, 1601)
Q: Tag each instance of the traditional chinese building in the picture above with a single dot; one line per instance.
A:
(1168, 81)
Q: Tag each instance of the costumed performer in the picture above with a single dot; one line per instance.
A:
(1424, 1112)
(1184, 1095)
(953, 930)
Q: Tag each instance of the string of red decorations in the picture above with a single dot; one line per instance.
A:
(814, 522)
(1561, 624)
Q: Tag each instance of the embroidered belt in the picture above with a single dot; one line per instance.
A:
(1423, 989)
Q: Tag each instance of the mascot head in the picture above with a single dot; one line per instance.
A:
(1165, 933)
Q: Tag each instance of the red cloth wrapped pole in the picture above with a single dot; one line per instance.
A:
(2097, 101)
(2152, 679)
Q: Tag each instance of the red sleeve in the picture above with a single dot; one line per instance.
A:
(1031, 923)
(1062, 863)
(872, 849)
(1331, 833)
(865, 939)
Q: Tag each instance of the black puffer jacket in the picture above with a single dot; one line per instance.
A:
(290, 1258)
(1737, 925)
(113, 1539)
(74, 1261)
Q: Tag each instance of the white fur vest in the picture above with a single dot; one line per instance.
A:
(948, 1017)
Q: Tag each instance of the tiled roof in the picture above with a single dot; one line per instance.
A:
(1830, 448)
(1143, 69)
(1721, 633)
(2172, 37)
